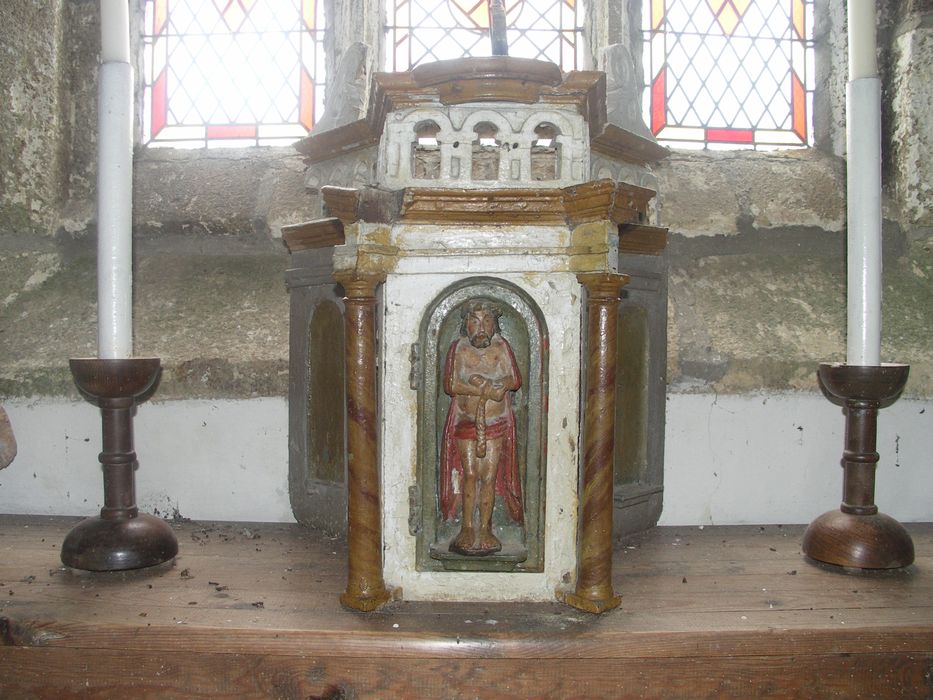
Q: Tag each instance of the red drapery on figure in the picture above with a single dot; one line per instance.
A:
(508, 480)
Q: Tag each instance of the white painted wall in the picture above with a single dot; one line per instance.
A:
(217, 460)
(776, 459)
(729, 459)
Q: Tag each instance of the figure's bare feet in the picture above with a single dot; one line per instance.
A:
(463, 543)
(488, 542)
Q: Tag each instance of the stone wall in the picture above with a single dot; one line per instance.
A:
(756, 254)
(756, 297)
(31, 162)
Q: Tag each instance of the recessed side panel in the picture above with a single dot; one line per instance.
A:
(317, 412)
(640, 395)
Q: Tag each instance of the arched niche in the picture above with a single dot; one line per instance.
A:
(317, 415)
(486, 152)
(326, 363)
(545, 153)
(426, 151)
(523, 326)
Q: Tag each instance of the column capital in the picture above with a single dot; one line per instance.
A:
(603, 286)
(359, 285)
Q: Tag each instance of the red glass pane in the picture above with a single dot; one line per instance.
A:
(799, 107)
(306, 99)
(231, 131)
(658, 103)
(730, 135)
(159, 104)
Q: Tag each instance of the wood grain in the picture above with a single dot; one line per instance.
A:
(320, 233)
(43, 673)
(640, 239)
(717, 612)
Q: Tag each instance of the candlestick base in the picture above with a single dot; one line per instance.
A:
(101, 544)
(120, 538)
(858, 541)
(857, 535)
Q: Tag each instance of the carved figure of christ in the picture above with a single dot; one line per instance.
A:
(479, 438)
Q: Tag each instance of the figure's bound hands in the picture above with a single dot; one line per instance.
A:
(479, 381)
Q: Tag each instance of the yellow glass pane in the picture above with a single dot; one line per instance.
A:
(308, 13)
(798, 16)
(728, 19)
(657, 13)
(159, 15)
(476, 11)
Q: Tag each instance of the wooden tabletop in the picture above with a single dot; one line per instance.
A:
(251, 610)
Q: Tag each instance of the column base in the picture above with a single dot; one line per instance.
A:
(119, 544)
(858, 541)
(368, 602)
(590, 605)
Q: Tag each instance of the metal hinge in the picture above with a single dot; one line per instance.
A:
(414, 378)
(414, 510)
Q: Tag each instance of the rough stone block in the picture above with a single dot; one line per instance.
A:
(7, 440)
(731, 192)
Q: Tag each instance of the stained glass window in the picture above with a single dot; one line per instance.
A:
(232, 72)
(421, 31)
(729, 73)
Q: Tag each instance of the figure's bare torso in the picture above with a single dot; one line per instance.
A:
(493, 363)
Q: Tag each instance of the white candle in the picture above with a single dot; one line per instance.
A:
(863, 146)
(863, 106)
(115, 185)
(863, 62)
(114, 31)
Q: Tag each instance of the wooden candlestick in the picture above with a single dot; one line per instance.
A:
(857, 535)
(366, 588)
(594, 591)
(120, 537)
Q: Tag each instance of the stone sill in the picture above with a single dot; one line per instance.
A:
(199, 378)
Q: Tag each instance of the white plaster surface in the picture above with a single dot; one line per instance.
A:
(776, 459)
(406, 299)
(515, 124)
(729, 459)
(206, 460)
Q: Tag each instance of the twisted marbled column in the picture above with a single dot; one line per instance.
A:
(594, 592)
(366, 589)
